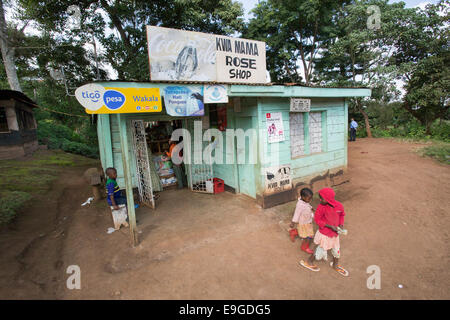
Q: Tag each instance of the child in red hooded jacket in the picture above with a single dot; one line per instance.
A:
(329, 216)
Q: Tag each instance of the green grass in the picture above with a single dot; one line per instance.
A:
(10, 202)
(21, 180)
(438, 151)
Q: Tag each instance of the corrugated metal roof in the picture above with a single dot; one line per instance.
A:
(17, 95)
(233, 83)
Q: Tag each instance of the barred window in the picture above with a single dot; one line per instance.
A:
(297, 134)
(315, 132)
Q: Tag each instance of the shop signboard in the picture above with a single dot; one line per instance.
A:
(97, 99)
(178, 55)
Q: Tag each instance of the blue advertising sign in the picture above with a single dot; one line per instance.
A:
(186, 101)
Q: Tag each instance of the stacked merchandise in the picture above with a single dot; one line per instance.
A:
(164, 169)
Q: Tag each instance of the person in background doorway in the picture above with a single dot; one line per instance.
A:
(353, 126)
(177, 168)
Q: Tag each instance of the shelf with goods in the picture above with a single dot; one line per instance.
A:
(165, 176)
(158, 146)
(165, 171)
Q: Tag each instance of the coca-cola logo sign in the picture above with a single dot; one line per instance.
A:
(179, 55)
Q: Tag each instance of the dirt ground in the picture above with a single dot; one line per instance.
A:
(224, 246)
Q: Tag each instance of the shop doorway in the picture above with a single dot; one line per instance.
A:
(201, 177)
(164, 174)
(155, 171)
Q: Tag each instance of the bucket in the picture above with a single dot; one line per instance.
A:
(219, 185)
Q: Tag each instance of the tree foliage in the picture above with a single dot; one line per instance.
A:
(293, 30)
(125, 48)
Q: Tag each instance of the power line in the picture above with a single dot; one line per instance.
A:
(62, 45)
(60, 112)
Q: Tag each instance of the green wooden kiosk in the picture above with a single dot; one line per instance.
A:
(312, 147)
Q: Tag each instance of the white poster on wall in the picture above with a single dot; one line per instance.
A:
(277, 179)
(300, 105)
(275, 130)
(216, 93)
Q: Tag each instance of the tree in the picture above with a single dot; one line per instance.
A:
(421, 40)
(427, 92)
(293, 30)
(126, 48)
(36, 60)
(358, 55)
(8, 55)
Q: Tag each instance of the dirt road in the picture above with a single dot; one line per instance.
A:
(197, 246)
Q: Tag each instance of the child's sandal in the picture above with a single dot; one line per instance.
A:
(340, 270)
(308, 266)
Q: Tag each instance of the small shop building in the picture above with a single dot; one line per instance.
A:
(18, 135)
(269, 141)
(239, 133)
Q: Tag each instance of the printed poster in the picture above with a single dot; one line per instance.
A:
(184, 101)
(215, 93)
(275, 130)
(277, 179)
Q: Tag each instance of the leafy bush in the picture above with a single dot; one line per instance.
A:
(411, 130)
(441, 131)
(10, 202)
(79, 148)
(49, 128)
(58, 136)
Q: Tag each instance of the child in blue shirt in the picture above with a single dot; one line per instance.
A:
(114, 195)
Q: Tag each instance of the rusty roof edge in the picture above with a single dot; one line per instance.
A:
(268, 84)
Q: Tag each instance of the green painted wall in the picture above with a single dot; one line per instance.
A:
(239, 176)
(334, 135)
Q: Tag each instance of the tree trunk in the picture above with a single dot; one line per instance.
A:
(428, 127)
(8, 53)
(366, 119)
